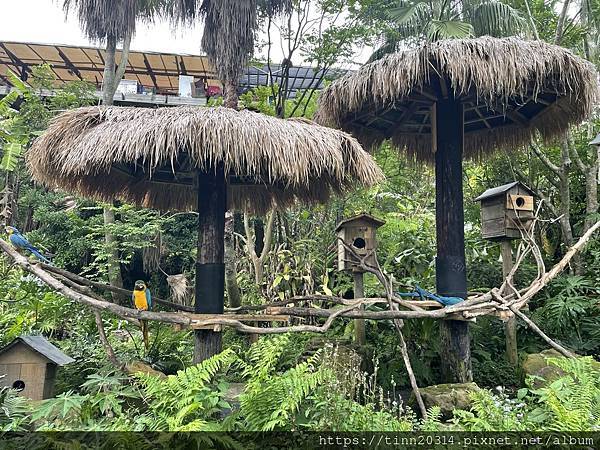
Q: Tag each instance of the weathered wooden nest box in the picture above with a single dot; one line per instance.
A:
(29, 365)
(359, 233)
(506, 210)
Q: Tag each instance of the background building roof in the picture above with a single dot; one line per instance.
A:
(150, 69)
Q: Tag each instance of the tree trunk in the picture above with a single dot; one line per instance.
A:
(510, 326)
(110, 81)
(210, 267)
(565, 203)
(451, 274)
(230, 95)
(360, 337)
(115, 277)
(233, 290)
(230, 100)
(591, 184)
(108, 78)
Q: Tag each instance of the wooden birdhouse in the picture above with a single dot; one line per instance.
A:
(506, 210)
(359, 233)
(29, 364)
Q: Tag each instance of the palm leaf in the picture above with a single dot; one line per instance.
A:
(449, 29)
(495, 18)
(11, 154)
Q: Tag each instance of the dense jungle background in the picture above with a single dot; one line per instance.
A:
(307, 381)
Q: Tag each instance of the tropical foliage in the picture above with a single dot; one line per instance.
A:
(303, 382)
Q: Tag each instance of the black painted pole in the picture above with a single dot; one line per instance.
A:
(210, 267)
(451, 275)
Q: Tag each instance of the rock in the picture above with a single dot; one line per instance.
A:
(536, 365)
(231, 396)
(447, 396)
(141, 367)
(233, 392)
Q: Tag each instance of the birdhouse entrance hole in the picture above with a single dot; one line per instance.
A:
(359, 243)
(19, 385)
(520, 201)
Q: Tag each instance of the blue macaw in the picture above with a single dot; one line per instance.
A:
(423, 294)
(20, 242)
(142, 299)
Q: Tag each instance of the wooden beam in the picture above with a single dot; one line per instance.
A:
(150, 72)
(69, 64)
(16, 61)
(182, 67)
(483, 118)
(517, 117)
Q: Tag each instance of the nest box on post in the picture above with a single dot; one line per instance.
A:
(359, 233)
(506, 210)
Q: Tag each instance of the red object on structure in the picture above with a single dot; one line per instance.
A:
(213, 90)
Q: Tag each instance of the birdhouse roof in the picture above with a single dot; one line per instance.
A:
(364, 217)
(493, 192)
(42, 346)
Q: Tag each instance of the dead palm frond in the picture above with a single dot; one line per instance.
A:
(102, 18)
(150, 156)
(547, 86)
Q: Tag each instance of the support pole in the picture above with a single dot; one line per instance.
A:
(210, 267)
(510, 326)
(451, 275)
(360, 337)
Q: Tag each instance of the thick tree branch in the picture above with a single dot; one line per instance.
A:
(544, 158)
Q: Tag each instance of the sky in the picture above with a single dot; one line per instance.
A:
(43, 21)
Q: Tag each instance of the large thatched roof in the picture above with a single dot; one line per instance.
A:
(511, 89)
(150, 156)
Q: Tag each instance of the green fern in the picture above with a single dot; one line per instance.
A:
(186, 401)
(271, 400)
(14, 411)
(572, 402)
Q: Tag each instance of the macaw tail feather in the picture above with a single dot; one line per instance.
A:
(145, 336)
(35, 252)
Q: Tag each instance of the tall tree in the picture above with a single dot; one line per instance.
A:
(228, 39)
(110, 22)
(229, 36)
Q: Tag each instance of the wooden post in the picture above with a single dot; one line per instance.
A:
(360, 337)
(510, 326)
(210, 267)
(451, 275)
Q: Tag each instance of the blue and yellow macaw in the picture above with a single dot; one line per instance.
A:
(142, 300)
(20, 242)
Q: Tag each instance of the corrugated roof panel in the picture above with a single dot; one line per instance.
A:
(89, 61)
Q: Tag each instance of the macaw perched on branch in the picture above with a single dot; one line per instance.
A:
(142, 299)
(20, 242)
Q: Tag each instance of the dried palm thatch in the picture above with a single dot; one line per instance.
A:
(151, 157)
(511, 90)
(101, 18)
(229, 28)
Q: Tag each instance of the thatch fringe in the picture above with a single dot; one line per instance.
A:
(290, 160)
(498, 71)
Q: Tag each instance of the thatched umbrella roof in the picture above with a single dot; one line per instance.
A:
(511, 89)
(149, 156)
